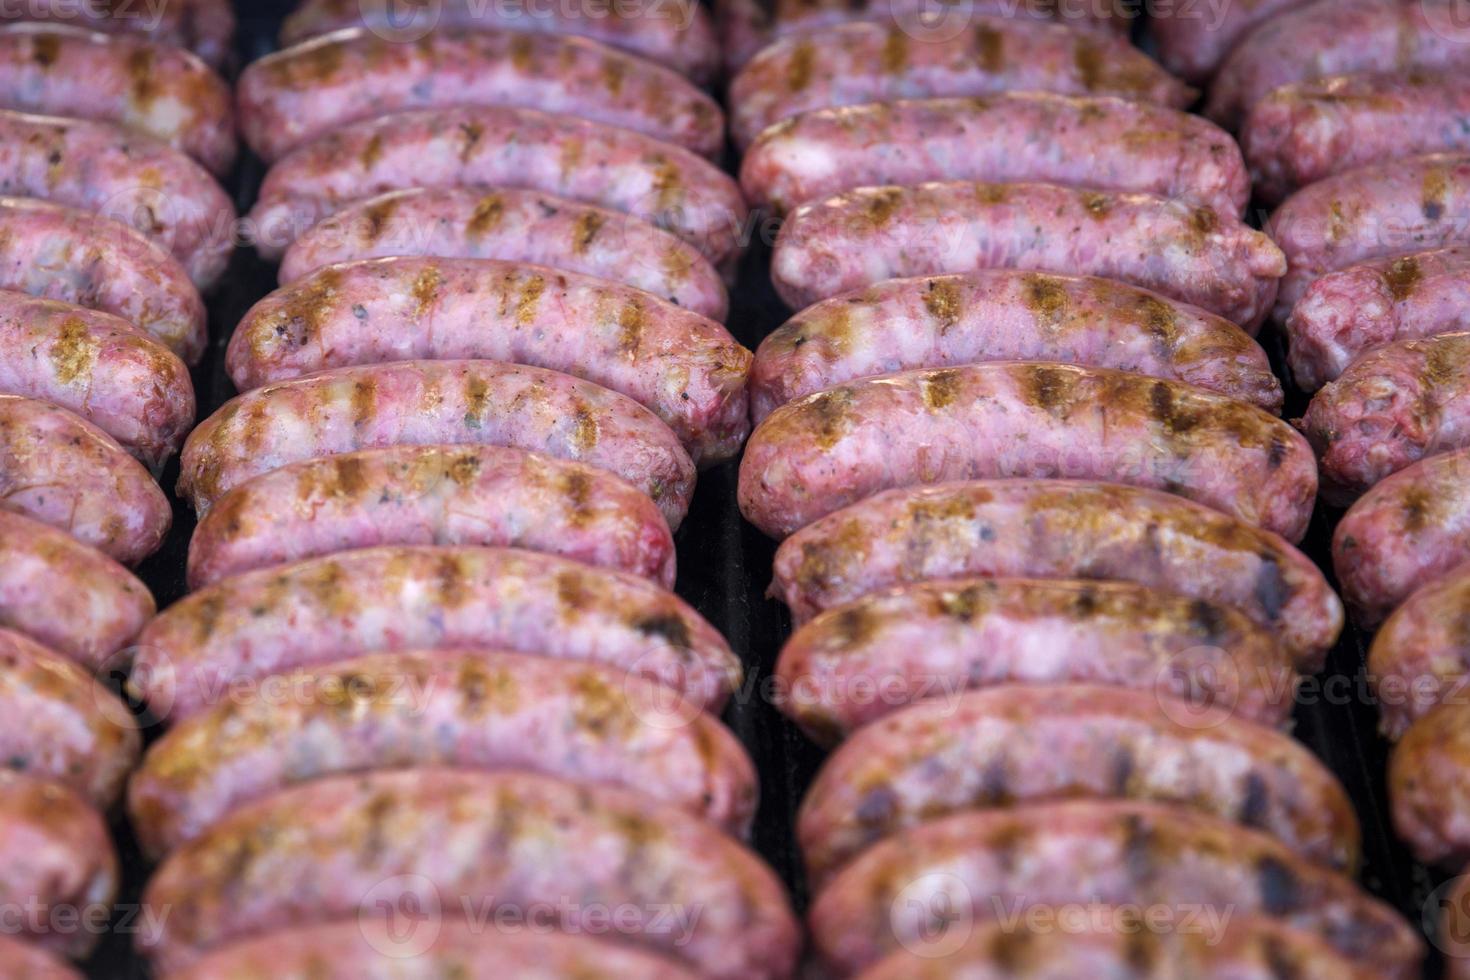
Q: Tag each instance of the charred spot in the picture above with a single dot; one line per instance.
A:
(589, 223)
(1086, 603)
(877, 808)
(1255, 801)
(599, 705)
(470, 134)
(529, 299)
(1050, 388)
(1165, 409)
(1090, 62)
(942, 300)
(614, 72)
(669, 627)
(1097, 205)
(963, 604)
(426, 286)
(1276, 454)
(373, 152)
(522, 52)
(72, 353)
(1045, 296)
(1436, 185)
(941, 389)
(1280, 890)
(476, 401)
(1417, 505)
(577, 488)
(895, 57)
(375, 219)
(585, 430)
(364, 402)
(1141, 948)
(571, 155)
(573, 592)
(632, 321)
(1161, 321)
(880, 205)
(45, 49)
(349, 476)
(1123, 767)
(1138, 848)
(995, 784)
(990, 44)
(1207, 622)
(832, 412)
(464, 468)
(486, 217)
(1204, 220)
(1271, 590)
(142, 79)
(1280, 958)
(799, 68)
(855, 624)
(1403, 277)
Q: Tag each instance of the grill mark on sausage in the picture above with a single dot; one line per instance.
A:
(373, 152)
(1088, 59)
(589, 223)
(991, 45)
(1045, 296)
(1280, 890)
(45, 49)
(376, 218)
(1402, 277)
(669, 627)
(426, 286)
(895, 55)
(1435, 187)
(799, 69)
(942, 300)
(486, 217)
(73, 356)
(1255, 802)
(941, 389)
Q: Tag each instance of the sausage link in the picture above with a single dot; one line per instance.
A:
(1421, 655)
(1193, 47)
(1427, 785)
(206, 27)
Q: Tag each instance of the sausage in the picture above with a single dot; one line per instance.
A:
(814, 456)
(423, 598)
(943, 321)
(429, 403)
(60, 253)
(1408, 530)
(1345, 313)
(497, 146)
(1333, 37)
(1420, 657)
(1016, 744)
(72, 598)
(22, 959)
(678, 35)
(374, 951)
(1382, 210)
(462, 709)
(1111, 853)
(290, 97)
(1392, 407)
(860, 661)
(444, 495)
(1061, 529)
(1192, 47)
(511, 842)
(1105, 143)
(516, 226)
(55, 856)
(1186, 252)
(99, 366)
(60, 470)
(144, 184)
(683, 367)
(1306, 132)
(142, 85)
(849, 64)
(206, 27)
(62, 726)
(1427, 785)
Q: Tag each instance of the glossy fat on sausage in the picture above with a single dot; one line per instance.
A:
(59, 724)
(54, 854)
(62, 471)
(290, 97)
(1106, 143)
(850, 64)
(686, 369)
(99, 366)
(943, 321)
(1392, 407)
(1345, 313)
(1061, 529)
(423, 598)
(1191, 43)
(206, 27)
(498, 146)
(1018, 419)
(1300, 134)
(60, 253)
(862, 660)
(432, 403)
(1140, 854)
(65, 595)
(515, 226)
(440, 495)
(1388, 209)
(1186, 252)
(1420, 657)
(145, 184)
(497, 841)
(1406, 531)
(144, 86)
(462, 709)
(1013, 745)
(675, 33)
(1428, 787)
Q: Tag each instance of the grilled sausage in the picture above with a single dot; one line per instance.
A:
(462, 709)
(1186, 252)
(22, 959)
(1392, 407)
(445, 495)
(943, 321)
(1013, 744)
(814, 456)
(338, 847)
(1421, 655)
(1427, 785)
(496, 146)
(70, 597)
(144, 86)
(1333, 37)
(72, 256)
(1106, 143)
(515, 226)
(678, 35)
(365, 950)
(684, 368)
(419, 598)
(1408, 530)
(850, 64)
(60, 470)
(206, 27)
(1093, 852)
(1303, 133)
(1345, 313)
(295, 95)
(60, 725)
(54, 855)
(1382, 210)
(1061, 529)
(1192, 47)
(100, 367)
(860, 661)
(144, 184)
